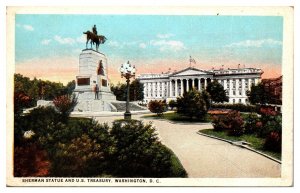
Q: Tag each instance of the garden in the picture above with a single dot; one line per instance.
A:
(50, 143)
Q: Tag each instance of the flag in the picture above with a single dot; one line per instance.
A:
(192, 60)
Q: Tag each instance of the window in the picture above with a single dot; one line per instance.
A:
(240, 100)
(233, 92)
(233, 101)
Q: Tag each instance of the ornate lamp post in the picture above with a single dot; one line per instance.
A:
(127, 71)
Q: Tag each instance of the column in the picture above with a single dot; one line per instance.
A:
(237, 86)
(243, 87)
(181, 84)
(187, 85)
(168, 89)
(145, 89)
(163, 89)
(249, 83)
(171, 92)
(176, 88)
(149, 89)
(153, 90)
(199, 84)
(158, 91)
(193, 83)
(225, 84)
(256, 81)
(230, 87)
(205, 83)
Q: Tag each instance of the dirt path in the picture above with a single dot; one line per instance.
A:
(205, 157)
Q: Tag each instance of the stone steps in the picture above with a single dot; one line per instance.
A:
(121, 106)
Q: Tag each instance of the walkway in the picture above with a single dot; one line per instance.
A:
(205, 157)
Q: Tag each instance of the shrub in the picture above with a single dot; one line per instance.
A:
(172, 104)
(192, 104)
(157, 107)
(273, 142)
(65, 105)
(232, 122)
(138, 153)
(253, 124)
(80, 157)
(238, 107)
(30, 161)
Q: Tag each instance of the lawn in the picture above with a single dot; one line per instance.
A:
(256, 142)
(173, 116)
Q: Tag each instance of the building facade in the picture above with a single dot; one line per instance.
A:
(168, 86)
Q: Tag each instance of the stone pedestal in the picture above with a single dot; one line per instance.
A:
(93, 72)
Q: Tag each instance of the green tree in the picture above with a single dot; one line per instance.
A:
(172, 104)
(139, 153)
(65, 105)
(217, 92)
(157, 106)
(136, 91)
(192, 104)
(258, 94)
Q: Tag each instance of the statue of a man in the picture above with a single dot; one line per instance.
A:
(95, 30)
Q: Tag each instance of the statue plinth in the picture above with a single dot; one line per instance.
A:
(93, 72)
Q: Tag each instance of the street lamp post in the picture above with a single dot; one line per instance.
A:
(127, 71)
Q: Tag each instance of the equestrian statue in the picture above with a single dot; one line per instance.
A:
(94, 38)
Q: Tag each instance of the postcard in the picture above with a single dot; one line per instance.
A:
(149, 96)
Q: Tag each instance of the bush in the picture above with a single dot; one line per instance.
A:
(193, 104)
(253, 124)
(273, 142)
(157, 107)
(238, 107)
(232, 122)
(30, 160)
(140, 154)
(172, 104)
(77, 158)
(65, 105)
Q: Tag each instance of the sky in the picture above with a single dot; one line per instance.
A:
(47, 46)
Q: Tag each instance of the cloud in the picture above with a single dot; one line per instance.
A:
(142, 45)
(255, 43)
(46, 41)
(81, 39)
(61, 40)
(26, 27)
(164, 36)
(168, 45)
(114, 43)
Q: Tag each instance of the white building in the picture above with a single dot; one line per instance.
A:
(169, 86)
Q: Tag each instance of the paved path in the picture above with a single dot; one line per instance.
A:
(206, 157)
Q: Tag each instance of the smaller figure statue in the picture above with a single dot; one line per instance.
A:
(95, 30)
(100, 70)
(96, 90)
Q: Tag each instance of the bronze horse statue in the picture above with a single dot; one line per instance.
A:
(93, 38)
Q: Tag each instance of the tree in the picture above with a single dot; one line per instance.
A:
(136, 91)
(192, 104)
(172, 104)
(157, 107)
(217, 92)
(139, 153)
(65, 105)
(258, 94)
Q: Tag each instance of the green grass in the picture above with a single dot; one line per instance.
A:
(173, 116)
(256, 142)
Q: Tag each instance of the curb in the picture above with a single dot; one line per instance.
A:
(241, 145)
